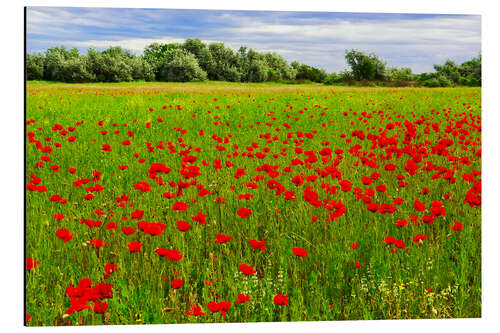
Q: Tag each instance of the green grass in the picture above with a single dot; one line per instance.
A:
(325, 285)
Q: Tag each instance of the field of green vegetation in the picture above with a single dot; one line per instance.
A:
(230, 202)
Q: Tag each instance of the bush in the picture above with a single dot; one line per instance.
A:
(447, 74)
(332, 79)
(194, 60)
(432, 83)
(444, 81)
(34, 66)
(257, 71)
(365, 67)
(76, 70)
(223, 63)
(399, 74)
(179, 65)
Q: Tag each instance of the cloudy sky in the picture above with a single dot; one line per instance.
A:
(316, 38)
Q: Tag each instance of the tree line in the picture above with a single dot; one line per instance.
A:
(194, 60)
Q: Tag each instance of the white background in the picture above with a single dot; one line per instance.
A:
(11, 155)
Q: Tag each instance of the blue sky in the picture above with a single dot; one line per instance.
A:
(316, 38)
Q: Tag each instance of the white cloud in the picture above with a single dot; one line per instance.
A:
(320, 41)
(435, 30)
(417, 43)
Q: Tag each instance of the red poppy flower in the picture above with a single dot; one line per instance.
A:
(64, 234)
(366, 180)
(222, 238)
(96, 243)
(183, 226)
(55, 198)
(200, 218)
(418, 206)
(89, 196)
(221, 307)
(128, 230)
(195, 311)
(280, 299)
(345, 185)
(30, 263)
(299, 252)
(242, 298)
(111, 225)
(180, 206)
(156, 168)
(389, 240)
(437, 211)
(419, 238)
(100, 307)
(457, 226)
(176, 284)
(137, 214)
(244, 212)
(173, 254)
(386, 208)
(246, 269)
(110, 268)
(142, 186)
(106, 147)
(373, 207)
(399, 244)
(261, 245)
(134, 246)
(390, 167)
(401, 223)
(428, 219)
(153, 228)
(397, 201)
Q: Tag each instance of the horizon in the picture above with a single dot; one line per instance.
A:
(318, 39)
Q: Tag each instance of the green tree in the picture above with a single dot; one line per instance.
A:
(65, 65)
(448, 73)
(258, 71)
(225, 64)
(332, 78)
(140, 69)
(470, 72)
(34, 66)
(306, 72)
(399, 74)
(53, 63)
(201, 52)
(365, 67)
(76, 69)
(154, 54)
(279, 68)
(180, 65)
(111, 65)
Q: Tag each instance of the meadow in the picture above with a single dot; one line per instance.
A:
(156, 203)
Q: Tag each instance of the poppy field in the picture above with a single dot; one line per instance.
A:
(158, 203)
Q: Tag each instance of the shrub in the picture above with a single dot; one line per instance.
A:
(179, 65)
(432, 83)
(34, 66)
(332, 79)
